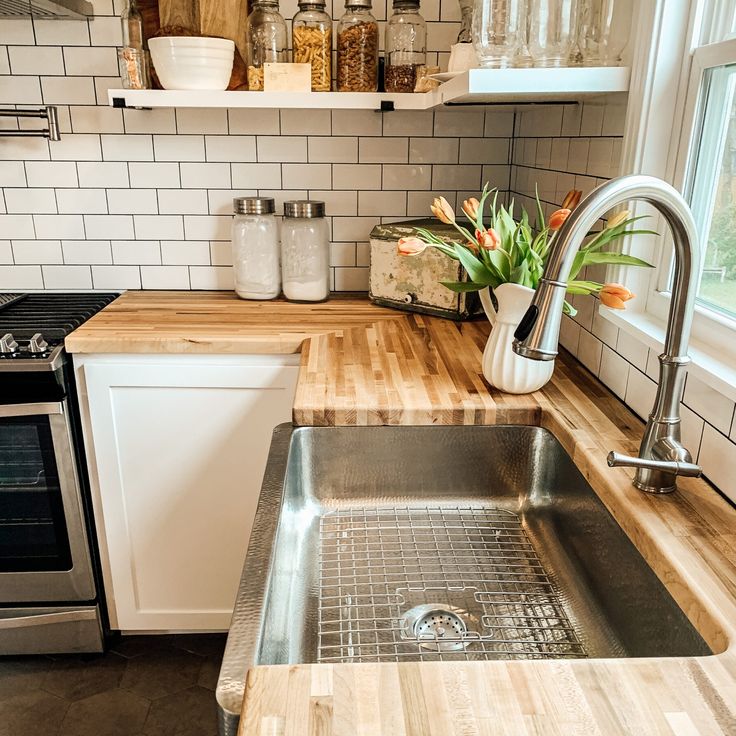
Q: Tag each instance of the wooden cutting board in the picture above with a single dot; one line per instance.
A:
(218, 18)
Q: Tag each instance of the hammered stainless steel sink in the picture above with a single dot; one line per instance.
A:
(385, 544)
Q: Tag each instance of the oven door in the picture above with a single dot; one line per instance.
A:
(44, 550)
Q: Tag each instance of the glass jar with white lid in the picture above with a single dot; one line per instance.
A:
(305, 251)
(255, 240)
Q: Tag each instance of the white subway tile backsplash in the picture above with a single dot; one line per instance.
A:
(356, 122)
(383, 204)
(59, 226)
(434, 150)
(108, 174)
(90, 61)
(76, 147)
(407, 176)
(131, 252)
(307, 176)
(718, 460)
(35, 59)
(178, 148)
(459, 123)
(86, 251)
(499, 124)
(589, 351)
(484, 151)
(383, 150)
(96, 119)
(213, 176)
(116, 277)
(183, 202)
(640, 392)
(132, 201)
(157, 175)
(715, 408)
(211, 277)
(201, 120)
(306, 122)
(159, 120)
(351, 279)
(105, 227)
(30, 201)
(352, 229)
(253, 122)
(614, 371)
(20, 277)
(632, 349)
(282, 149)
(106, 32)
(81, 201)
(6, 252)
(160, 227)
(333, 150)
(256, 176)
(185, 253)
(30, 149)
(207, 227)
(221, 253)
(466, 176)
(356, 176)
(230, 148)
(16, 31)
(67, 277)
(691, 429)
(17, 226)
(68, 90)
(127, 147)
(36, 251)
(337, 203)
(12, 173)
(164, 277)
(61, 32)
(20, 90)
(408, 122)
(591, 122)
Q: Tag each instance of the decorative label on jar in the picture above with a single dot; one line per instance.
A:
(283, 77)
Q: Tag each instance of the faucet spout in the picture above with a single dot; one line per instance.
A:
(537, 335)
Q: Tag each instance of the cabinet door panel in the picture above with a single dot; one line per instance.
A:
(180, 457)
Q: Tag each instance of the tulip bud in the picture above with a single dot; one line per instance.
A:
(488, 239)
(557, 218)
(411, 246)
(442, 210)
(614, 296)
(617, 219)
(470, 208)
(571, 199)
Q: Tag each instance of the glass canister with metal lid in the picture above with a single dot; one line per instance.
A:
(266, 40)
(311, 31)
(357, 48)
(305, 251)
(406, 46)
(255, 240)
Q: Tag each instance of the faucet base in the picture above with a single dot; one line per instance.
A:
(654, 490)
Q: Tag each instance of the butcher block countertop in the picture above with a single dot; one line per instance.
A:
(364, 365)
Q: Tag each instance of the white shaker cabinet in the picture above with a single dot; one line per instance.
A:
(177, 446)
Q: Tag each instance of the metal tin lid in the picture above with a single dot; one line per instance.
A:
(359, 4)
(406, 4)
(304, 208)
(254, 205)
(306, 3)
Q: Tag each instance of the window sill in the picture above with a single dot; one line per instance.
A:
(709, 368)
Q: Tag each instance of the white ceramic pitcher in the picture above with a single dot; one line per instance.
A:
(502, 367)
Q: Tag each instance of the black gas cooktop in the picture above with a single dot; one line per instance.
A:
(33, 326)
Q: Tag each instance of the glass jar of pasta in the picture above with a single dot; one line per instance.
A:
(357, 48)
(312, 42)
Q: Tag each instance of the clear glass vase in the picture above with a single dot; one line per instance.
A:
(498, 33)
(603, 31)
(551, 31)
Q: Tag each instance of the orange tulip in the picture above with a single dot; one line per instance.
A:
(488, 239)
(617, 219)
(411, 246)
(557, 218)
(571, 199)
(614, 296)
(470, 208)
(442, 210)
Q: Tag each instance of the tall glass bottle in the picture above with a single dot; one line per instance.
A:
(265, 40)
(133, 56)
(552, 31)
(406, 46)
(498, 32)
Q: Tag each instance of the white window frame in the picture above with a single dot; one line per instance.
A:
(664, 107)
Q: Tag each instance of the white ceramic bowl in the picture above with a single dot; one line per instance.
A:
(192, 62)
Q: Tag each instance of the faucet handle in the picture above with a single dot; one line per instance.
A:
(675, 467)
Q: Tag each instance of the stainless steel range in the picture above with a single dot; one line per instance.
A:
(49, 590)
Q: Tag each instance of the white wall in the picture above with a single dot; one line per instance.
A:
(142, 198)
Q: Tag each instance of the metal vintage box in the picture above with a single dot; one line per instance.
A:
(413, 283)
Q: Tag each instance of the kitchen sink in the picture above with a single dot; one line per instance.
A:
(386, 544)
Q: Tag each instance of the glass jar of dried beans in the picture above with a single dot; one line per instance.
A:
(357, 48)
(406, 46)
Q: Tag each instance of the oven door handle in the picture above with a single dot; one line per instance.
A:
(43, 619)
(29, 410)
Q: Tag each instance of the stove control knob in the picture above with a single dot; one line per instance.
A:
(8, 344)
(37, 344)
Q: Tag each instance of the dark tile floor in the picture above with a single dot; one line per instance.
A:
(142, 686)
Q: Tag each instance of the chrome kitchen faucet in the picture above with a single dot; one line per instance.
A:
(662, 456)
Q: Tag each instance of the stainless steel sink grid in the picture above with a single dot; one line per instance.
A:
(437, 543)
(435, 583)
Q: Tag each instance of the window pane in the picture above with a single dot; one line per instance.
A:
(714, 192)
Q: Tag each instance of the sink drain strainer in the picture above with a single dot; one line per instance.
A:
(435, 628)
